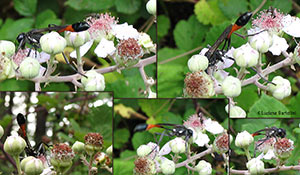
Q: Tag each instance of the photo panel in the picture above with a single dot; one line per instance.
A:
(79, 46)
(170, 136)
(264, 146)
(56, 133)
(242, 50)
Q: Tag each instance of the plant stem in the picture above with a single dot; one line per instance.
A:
(17, 160)
(79, 60)
(247, 153)
(49, 66)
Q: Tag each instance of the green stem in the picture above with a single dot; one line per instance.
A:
(50, 66)
(79, 60)
(241, 73)
(18, 164)
(247, 153)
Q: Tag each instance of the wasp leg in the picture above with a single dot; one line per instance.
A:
(262, 76)
(258, 145)
(65, 58)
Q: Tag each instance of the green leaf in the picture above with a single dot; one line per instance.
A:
(16, 85)
(247, 98)
(25, 7)
(284, 6)
(123, 166)
(163, 25)
(209, 12)
(141, 138)
(127, 6)
(11, 29)
(121, 136)
(154, 107)
(268, 106)
(171, 75)
(187, 35)
(91, 5)
(56, 87)
(233, 11)
(45, 18)
(294, 105)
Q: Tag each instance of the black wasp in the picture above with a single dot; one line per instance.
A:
(269, 133)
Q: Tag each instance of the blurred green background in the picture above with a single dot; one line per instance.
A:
(23, 15)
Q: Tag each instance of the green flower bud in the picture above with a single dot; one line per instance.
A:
(143, 150)
(25, 160)
(246, 56)
(167, 167)
(243, 139)
(231, 86)
(178, 145)
(282, 88)
(151, 7)
(7, 48)
(1, 131)
(6, 68)
(109, 150)
(53, 43)
(146, 42)
(34, 167)
(255, 166)
(14, 145)
(77, 39)
(93, 82)
(236, 112)
(203, 168)
(296, 55)
(30, 68)
(261, 42)
(198, 63)
(78, 147)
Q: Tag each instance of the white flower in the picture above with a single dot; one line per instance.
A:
(282, 88)
(243, 139)
(199, 138)
(291, 25)
(146, 42)
(203, 168)
(124, 31)
(178, 145)
(53, 43)
(1, 131)
(213, 126)
(255, 166)
(152, 94)
(143, 150)
(105, 48)
(83, 49)
(279, 45)
(197, 63)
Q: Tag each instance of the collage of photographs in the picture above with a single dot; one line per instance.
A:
(149, 87)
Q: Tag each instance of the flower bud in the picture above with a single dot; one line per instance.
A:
(167, 167)
(78, 147)
(203, 168)
(53, 43)
(243, 139)
(178, 145)
(246, 56)
(197, 63)
(255, 166)
(1, 131)
(260, 42)
(283, 148)
(14, 145)
(152, 94)
(109, 150)
(25, 160)
(93, 82)
(145, 166)
(151, 7)
(198, 84)
(7, 48)
(296, 55)
(146, 42)
(235, 112)
(77, 39)
(34, 167)
(30, 68)
(143, 150)
(282, 88)
(7, 69)
(231, 86)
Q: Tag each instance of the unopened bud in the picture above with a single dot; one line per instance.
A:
(198, 63)
(53, 43)
(168, 167)
(246, 56)
(281, 89)
(30, 68)
(243, 139)
(151, 7)
(203, 168)
(14, 145)
(231, 86)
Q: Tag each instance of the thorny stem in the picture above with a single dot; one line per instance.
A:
(79, 60)
(49, 70)
(71, 78)
(266, 171)
(91, 164)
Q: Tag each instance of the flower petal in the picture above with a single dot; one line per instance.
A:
(83, 49)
